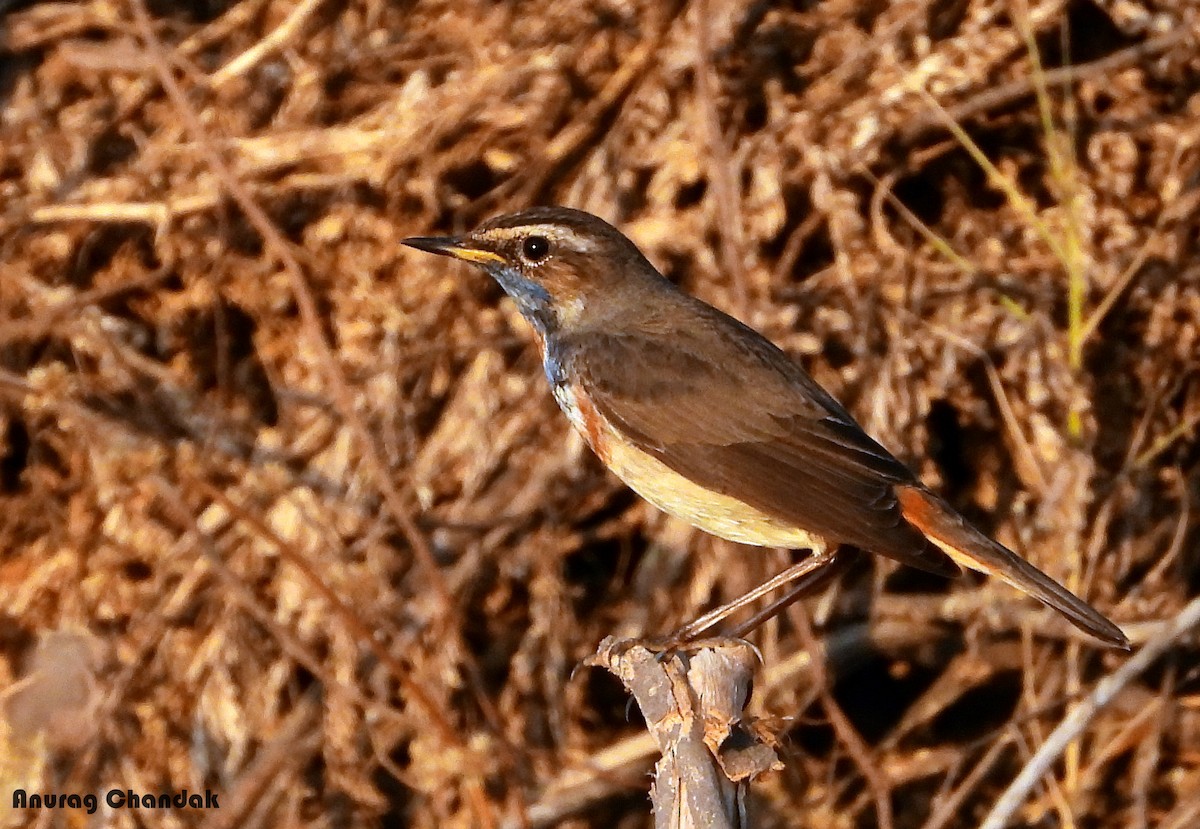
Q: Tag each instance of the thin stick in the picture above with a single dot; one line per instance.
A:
(946, 808)
(305, 302)
(1078, 719)
(1005, 94)
(725, 183)
(860, 752)
(273, 42)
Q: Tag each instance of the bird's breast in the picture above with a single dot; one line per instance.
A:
(578, 408)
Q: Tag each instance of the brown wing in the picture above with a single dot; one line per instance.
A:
(723, 406)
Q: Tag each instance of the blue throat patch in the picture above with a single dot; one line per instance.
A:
(533, 301)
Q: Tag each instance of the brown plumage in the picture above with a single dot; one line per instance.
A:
(710, 421)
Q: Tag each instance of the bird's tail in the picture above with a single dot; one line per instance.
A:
(970, 548)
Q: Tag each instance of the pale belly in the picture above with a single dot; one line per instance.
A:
(721, 515)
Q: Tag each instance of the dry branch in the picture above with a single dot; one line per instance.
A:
(693, 700)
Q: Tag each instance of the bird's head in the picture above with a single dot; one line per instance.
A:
(563, 267)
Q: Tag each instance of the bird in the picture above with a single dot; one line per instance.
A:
(711, 422)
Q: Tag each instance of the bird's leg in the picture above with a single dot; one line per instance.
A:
(805, 585)
(809, 572)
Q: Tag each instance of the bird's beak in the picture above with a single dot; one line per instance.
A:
(455, 247)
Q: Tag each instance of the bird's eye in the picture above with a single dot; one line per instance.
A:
(536, 248)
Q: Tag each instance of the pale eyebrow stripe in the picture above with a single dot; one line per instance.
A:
(555, 233)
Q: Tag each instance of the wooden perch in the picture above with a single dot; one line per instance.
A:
(692, 699)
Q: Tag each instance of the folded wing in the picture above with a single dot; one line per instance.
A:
(724, 407)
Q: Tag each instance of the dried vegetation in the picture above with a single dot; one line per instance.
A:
(286, 510)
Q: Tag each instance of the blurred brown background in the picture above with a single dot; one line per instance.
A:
(286, 511)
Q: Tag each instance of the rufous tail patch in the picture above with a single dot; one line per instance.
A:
(945, 529)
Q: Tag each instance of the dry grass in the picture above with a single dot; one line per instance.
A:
(286, 511)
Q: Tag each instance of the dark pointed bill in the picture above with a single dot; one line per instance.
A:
(440, 245)
(454, 247)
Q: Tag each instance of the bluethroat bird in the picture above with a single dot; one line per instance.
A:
(709, 421)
